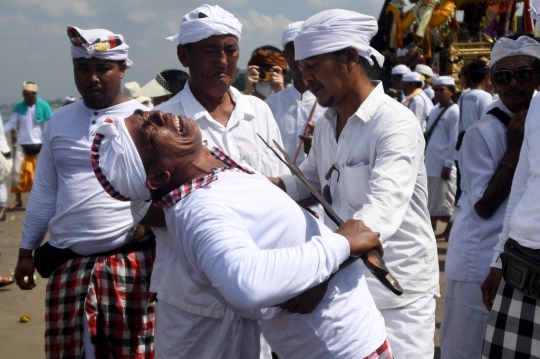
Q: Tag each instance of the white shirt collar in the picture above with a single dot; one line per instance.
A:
(368, 108)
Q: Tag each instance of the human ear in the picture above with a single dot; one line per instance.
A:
(156, 180)
(183, 55)
(122, 69)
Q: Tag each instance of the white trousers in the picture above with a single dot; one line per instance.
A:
(463, 322)
(179, 334)
(411, 329)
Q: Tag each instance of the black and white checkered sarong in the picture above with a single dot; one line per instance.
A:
(513, 329)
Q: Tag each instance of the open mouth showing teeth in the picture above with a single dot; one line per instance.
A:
(177, 123)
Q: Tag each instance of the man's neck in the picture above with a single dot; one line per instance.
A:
(219, 107)
(481, 86)
(120, 98)
(351, 103)
(30, 104)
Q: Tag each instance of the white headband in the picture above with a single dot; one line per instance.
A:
(424, 70)
(400, 70)
(290, 32)
(116, 162)
(217, 22)
(99, 43)
(413, 77)
(505, 47)
(334, 30)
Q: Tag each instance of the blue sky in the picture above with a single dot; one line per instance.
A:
(35, 46)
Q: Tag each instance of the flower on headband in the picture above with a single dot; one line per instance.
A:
(102, 46)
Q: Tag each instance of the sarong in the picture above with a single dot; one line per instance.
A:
(513, 329)
(112, 292)
(24, 167)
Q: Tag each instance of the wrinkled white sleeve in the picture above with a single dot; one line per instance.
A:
(294, 187)
(477, 163)
(417, 107)
(393, 178)
(451, 129)
(519, 185)
(41, 205)
(220, 250)
(275, 134)
(12, 123)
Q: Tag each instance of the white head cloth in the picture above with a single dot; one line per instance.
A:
(400, 70)
(334, 30)
(424, 70)
(402, 52)
(116, 162)
(99, 43)
(444, 80)
(290, 32)
(413, 77)
(217, 22)
(505, 47)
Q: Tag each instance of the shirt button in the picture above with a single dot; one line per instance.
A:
(93, 122)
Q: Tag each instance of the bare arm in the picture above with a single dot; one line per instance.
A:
(499, 187)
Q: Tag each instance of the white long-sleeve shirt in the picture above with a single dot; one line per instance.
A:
(254, 256)
(470, 247)
(4, 147)
(30, 131)
(421, 106)
(441, 146)
(291, 110)
(522, 217)
(66, 198)
(382, 181)
(472, 105)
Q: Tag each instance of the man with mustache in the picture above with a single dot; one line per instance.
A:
(208, 46)
(487, 158)
(243, 240)
(367, 159)
(96, 297)
(510, 289)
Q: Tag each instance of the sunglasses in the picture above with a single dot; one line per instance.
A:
(327, 196)
(522, 76)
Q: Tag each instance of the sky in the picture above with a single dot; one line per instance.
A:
(36, 47)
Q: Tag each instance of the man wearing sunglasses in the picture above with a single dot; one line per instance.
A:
(510, 290)
(367, 157)
(487, 159)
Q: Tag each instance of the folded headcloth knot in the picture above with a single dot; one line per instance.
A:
(99, 43)
(334, 30)
(206, 21)
(116, 162)
(505, 47)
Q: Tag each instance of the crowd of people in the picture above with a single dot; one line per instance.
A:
(175, 232)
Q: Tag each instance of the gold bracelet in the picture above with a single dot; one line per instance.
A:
(509, 165)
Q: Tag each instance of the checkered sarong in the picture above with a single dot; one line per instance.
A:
(384, 352)
(112, 291)
(513, 329)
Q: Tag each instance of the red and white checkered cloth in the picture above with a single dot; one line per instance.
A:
(384, 352)
(112, 291)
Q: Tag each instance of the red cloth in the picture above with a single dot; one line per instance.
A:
(112, 291)
(383, 352)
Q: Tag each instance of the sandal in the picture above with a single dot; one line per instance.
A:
(6, 280)
(15, 206)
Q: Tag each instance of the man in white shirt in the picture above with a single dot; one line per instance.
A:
(509, 293)
(295, 109)
(488, 147)
(29, 116)
(96, 297)
(441, 138)
(397, 80)
(416, 100)
(6, 152)
(208, 46)
(243, 240)
(367, 158)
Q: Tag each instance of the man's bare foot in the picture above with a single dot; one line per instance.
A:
(15, 206)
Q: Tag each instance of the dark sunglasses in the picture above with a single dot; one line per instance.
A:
(327, 196)
(504, 77)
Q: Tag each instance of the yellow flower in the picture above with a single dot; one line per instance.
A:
(102, 46)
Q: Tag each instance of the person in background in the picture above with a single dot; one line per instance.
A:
(266, 70)
(5, 151)
(441, 137)
(488, 147)
(164, 86)
(417, 101)
(69, 100)
(132, 89)
(30, 117)
(428, 80)
(397, 81)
